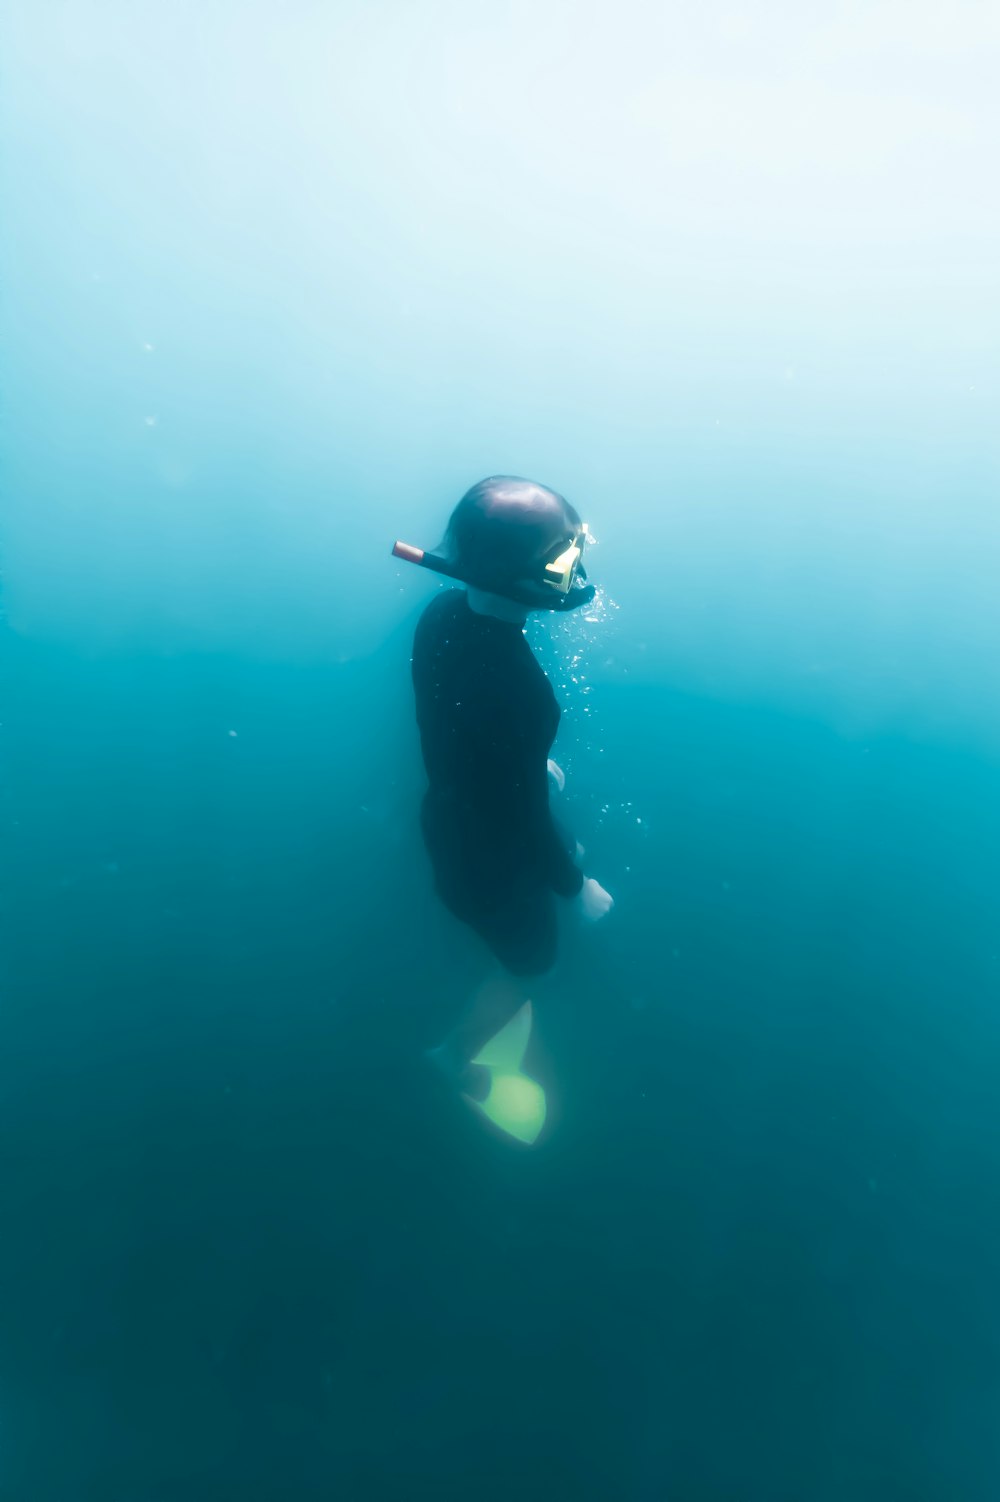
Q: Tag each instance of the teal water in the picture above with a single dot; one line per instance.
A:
(278, 286)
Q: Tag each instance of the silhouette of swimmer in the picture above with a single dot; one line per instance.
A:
(488, 716)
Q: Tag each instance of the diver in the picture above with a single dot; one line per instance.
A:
(487, 717)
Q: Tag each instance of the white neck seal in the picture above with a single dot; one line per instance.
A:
(498, 606)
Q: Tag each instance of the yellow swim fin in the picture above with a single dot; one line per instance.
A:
(515, 1103)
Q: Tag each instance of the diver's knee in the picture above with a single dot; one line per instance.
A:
(528, 966)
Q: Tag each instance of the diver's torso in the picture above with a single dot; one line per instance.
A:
(487, 717)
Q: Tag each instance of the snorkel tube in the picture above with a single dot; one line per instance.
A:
(433, 561)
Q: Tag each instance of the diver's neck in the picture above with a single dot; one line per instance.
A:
(498, 606)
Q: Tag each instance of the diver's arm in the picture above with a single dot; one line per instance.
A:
(555, 863)
(595, 902)
(512, 781)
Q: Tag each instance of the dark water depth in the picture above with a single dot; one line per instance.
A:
(251, 1249)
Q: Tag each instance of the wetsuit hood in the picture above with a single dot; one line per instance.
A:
(514, 538)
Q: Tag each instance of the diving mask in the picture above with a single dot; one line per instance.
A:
(562, 572)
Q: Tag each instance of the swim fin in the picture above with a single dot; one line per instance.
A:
(515, 1103)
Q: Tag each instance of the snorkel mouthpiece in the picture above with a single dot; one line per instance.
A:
(579, 594)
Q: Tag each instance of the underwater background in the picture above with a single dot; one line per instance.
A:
(279, 283)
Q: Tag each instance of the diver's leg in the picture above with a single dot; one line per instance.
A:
(523, 936)
(490, 1008)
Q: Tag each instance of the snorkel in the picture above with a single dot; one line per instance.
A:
(423, 559)
(559, 584)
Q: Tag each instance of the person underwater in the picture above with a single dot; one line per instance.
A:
(488, 717)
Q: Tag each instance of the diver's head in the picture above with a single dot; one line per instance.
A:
(518, 539)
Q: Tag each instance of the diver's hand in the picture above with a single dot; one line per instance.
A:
(595, 902)
(557, 774)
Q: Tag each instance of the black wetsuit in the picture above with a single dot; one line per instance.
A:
(488, 716)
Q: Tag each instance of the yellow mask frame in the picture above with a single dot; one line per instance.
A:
(560, 574)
